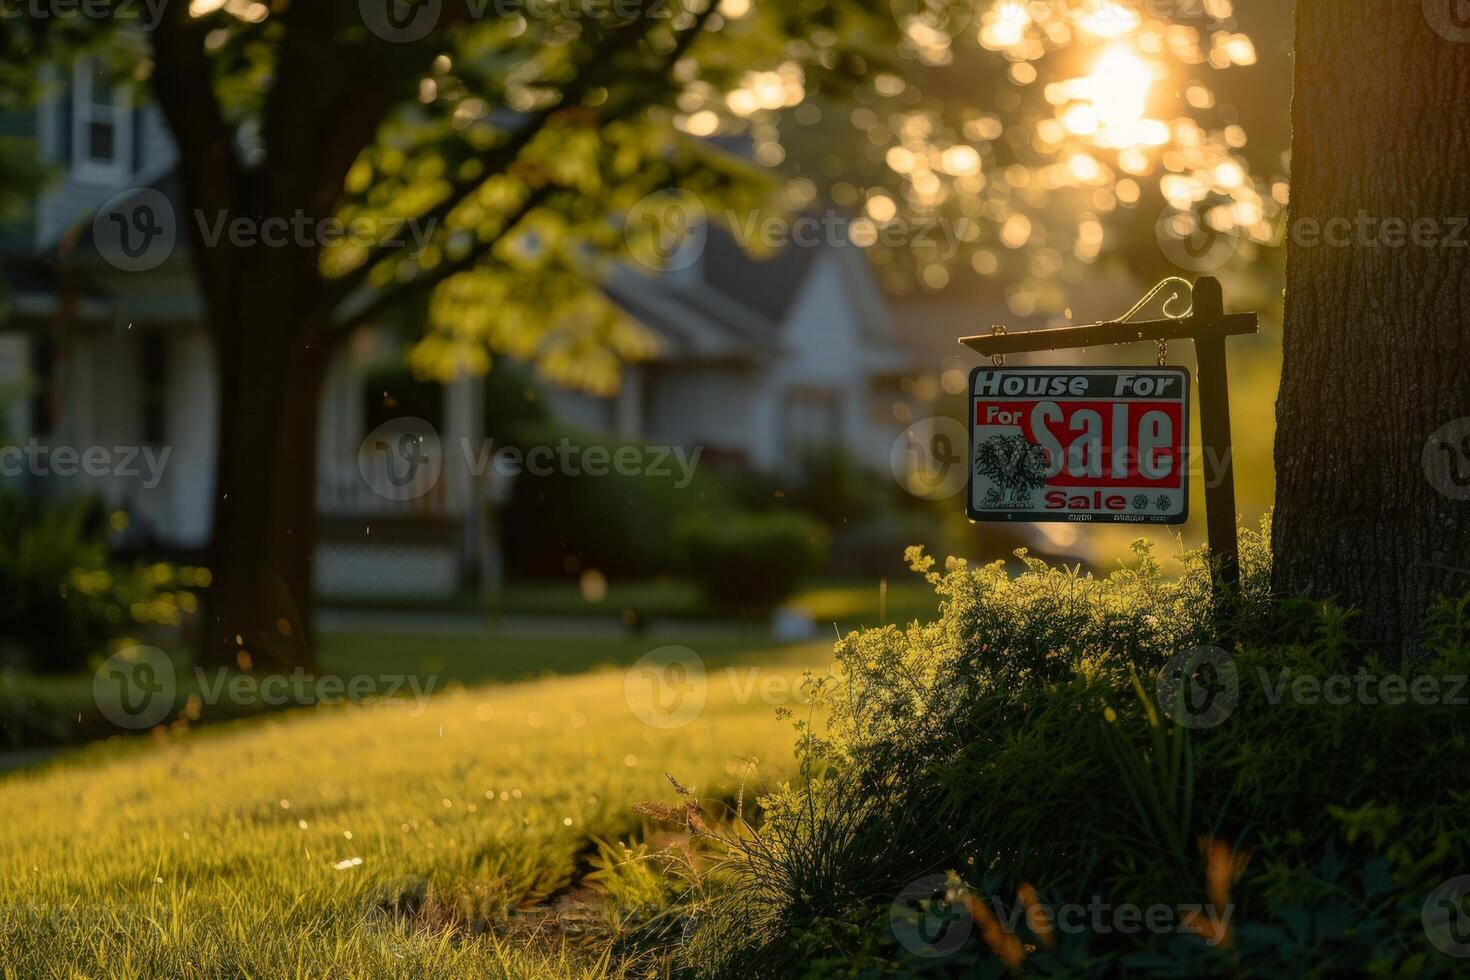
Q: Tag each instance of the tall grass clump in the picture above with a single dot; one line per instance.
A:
(1025, 753)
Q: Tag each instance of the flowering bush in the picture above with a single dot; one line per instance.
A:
(1025, 750)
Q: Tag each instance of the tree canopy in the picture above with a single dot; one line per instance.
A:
(504, 153)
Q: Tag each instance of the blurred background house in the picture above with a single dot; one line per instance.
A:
(761, 365)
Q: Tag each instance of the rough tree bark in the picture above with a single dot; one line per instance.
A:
(265, 482)
(264, 314)
(1377, 314)
(271, 315)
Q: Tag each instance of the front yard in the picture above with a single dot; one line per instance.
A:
(368, 840)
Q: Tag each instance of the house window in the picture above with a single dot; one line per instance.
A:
(153, 383)
(101, 125)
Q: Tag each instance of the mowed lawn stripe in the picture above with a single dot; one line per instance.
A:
(259, 846)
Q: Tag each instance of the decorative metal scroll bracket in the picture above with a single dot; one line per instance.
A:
(1205, 323)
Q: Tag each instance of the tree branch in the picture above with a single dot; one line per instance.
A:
(392, 296)
(503, 156)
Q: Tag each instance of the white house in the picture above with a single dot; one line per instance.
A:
(757, 359)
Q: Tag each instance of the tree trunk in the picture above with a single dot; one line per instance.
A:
(1377, 320)
(264, 305)
(265, 509)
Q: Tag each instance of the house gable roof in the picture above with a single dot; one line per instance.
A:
(733, 305)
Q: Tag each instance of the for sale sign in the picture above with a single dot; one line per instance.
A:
(1106, 445)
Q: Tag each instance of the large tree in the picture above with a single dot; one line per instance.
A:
(520, 133)
(495, 148)
(1377, 327)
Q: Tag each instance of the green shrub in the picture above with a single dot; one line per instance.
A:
(750, 559)
(61, 601)
(1021, 745)
(619, 524)
(836, 490)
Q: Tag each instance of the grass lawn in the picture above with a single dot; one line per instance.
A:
(848, 604)
(41, 711)
(272, 846)
(500, 657)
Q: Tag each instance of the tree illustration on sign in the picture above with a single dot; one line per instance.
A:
(1014, 466)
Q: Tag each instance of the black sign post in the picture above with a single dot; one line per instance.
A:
(1206, 325)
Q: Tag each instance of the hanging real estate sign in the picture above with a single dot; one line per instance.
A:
(1088, 445)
